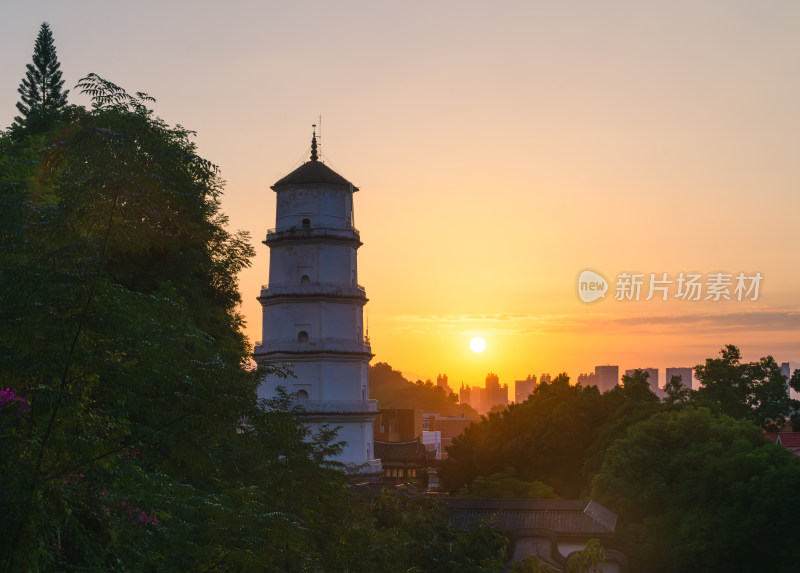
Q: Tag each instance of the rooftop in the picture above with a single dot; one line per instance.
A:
(561, 516)
(785, 439)
(314, 171)
(409, 451)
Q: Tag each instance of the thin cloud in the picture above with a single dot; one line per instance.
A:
(521, 324)
(456, 318)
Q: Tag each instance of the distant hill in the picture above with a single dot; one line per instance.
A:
(392, 390)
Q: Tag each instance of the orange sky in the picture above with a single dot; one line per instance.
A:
(500, 150)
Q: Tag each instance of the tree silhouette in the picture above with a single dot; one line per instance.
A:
(40, 89)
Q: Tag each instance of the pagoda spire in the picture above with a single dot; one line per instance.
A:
(314, 142)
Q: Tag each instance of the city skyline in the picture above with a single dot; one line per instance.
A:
(499, 154)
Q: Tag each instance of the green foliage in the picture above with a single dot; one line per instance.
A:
(587, 560)
(130, 435)
(695, 491)
(755, 390)
(506, 485)
(561, 434)
(398, 532)
(532, 564)
(677, 392)
(481, 549)
(497, 409)
(794, 383)
(41, 95)
(543, 439)
(392, 390)
(120, 331)
(637, 388)
(699, 492)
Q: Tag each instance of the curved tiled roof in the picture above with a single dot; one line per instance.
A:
(561, 516)
(409, 451)
(312, 172)
(785, 439)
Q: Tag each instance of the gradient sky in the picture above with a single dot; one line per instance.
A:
(501, 148)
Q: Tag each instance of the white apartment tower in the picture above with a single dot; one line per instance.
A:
(313, 309)
(606, 377)
(684, 373)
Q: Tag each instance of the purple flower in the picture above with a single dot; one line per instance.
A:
(9, 401)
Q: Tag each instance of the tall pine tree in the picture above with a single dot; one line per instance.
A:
(40, 89)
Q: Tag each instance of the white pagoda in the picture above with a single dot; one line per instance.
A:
(313, 309)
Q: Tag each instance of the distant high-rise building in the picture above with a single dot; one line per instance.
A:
(476, 397)
(787, 369)
(652, 378)
(606, 377)
(544, 379)
(684, 373)
(589, 379)
(524, 388)
(479, 400)
(441, 382)
(464, 395)
(496, 395)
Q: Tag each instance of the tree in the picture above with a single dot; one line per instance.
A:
(121, 337)
(637, 388)
(532, 564)
(755, 390)
(411, 533)
(392, 390)
(497, 408)
(586, 560)
(543, 439)
(506, 485)
(40, 90)
(677, 392)
(723, 384)
(794, 383)
(130, 433)
(701, 492)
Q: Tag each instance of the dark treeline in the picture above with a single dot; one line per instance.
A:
(696, 485)
(393, 390)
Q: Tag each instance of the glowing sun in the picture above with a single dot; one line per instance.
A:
(477, 344)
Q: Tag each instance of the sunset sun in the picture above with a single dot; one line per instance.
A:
(477, 344)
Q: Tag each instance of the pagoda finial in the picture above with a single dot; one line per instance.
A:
(314, 142)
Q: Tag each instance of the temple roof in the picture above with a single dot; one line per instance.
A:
(785, 439)
(561, 516)
(312, 172)
(410, 451)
